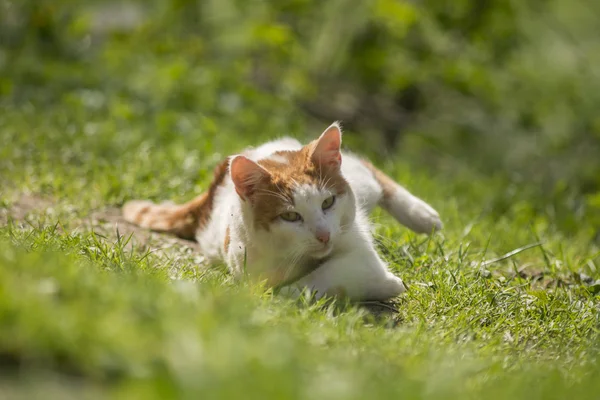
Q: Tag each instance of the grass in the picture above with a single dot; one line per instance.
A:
(88, 308)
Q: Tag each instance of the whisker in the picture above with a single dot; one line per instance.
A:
(327, 182)
(296, 255)
(275, 194)
(370, 233)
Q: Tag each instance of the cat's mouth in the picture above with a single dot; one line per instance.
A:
(322, 252)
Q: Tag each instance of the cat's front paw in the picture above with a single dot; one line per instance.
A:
(390, 287)
(425, 219)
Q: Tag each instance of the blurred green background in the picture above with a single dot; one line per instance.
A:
(506, 88)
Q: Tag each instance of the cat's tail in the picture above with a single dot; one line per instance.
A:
(179, 219)
(182, 220)
(408, 209)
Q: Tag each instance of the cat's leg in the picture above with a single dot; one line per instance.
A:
(292, 292)
(407, 208)
(366, 189)
(359, 274)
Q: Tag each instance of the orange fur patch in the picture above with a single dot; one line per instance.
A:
(143, 211)
(226, 241)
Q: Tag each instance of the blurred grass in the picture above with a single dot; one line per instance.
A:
(113, 319)
(497, 130)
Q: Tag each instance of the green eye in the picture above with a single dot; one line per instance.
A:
(328, 203)
(290, 216)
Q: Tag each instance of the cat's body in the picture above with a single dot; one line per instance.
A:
(295, 216)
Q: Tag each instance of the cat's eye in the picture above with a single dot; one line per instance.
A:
(290, 216)
(328, 203)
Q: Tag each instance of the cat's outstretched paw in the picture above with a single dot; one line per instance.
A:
(424, 219)
(392, 286)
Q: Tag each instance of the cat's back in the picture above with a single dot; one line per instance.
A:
(266, 150)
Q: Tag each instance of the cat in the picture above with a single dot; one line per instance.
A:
(295, 217)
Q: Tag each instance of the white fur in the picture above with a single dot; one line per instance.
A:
(352, 265)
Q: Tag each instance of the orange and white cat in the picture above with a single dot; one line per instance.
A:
(296, 217)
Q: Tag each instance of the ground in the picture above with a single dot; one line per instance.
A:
(501, 303)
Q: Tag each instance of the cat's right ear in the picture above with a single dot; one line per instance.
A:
(246, 175)
(327, 148)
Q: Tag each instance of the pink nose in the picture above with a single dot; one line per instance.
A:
(323, 237)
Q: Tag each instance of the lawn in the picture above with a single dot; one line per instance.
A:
(501, 304)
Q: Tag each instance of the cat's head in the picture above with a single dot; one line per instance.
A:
(298, 201)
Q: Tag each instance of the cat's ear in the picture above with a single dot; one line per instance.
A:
(327, 148)
(246, 175)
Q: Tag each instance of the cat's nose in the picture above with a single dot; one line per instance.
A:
(323, 237)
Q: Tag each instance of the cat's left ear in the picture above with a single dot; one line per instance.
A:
(246, 175)
(327, 148)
